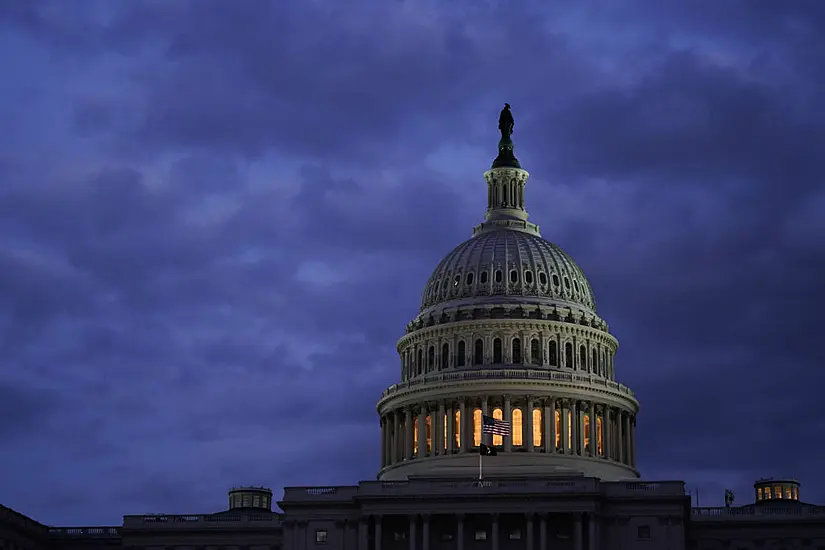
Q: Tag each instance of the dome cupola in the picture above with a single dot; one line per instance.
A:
(508, 329)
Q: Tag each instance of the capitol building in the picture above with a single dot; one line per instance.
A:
(508, 328)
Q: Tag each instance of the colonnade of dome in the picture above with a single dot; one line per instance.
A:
(564, 426)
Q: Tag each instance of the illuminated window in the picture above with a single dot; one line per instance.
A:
(759, 493)
(568, 355)
(445, 355)
(535, 358)
(415, 435)
(558, 429)
(569, 429)
(477, 427)
(788, 493)
(462, 349)
(537, 427)
(458, 429)
(428, 422)
(479, 355)
(497, 351)
(498, 415)
(518, 428)
(553, 354)
(586, 432)
(583, 358)
(320, 536)
(600, 435)
(767, 492)
(796, 493)
(777, 491)
(430, 358)
(516, 351)
(444, 431)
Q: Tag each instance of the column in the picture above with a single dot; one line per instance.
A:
(383, 441)
(459, 531)
(577, 531)
(529, 528)
(363, 538)
(425, 533)
(462, 432)
(619, 436)
(593, 532)
(396, 437)
(378, 535)
(485, 410)
(549, 417)
(606, 427)
(594, 432)
(422, 431)
(450, 429)
(438, 431)
(542, 532)
(408, 436)
(413, 533)
(494, 529)
(528, 416)
(581, 407)
(508, 417)
(574, 427)
(633, 442)
(564, 426)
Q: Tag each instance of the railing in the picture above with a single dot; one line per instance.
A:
(84, 531)
(644, 489)
(758, 513)
(315, 494)
(166, 521)
(509, 374)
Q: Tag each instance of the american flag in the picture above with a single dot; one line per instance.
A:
(490, 425)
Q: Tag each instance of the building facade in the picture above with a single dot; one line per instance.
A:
(507, 328)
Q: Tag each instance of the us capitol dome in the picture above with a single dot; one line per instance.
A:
(508, 328)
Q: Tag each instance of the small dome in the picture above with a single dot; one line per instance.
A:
(507, 262)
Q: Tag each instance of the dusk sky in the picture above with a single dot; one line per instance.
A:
(217, 217)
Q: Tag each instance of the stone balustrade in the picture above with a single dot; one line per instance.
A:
(95, 532)
(205, 521)
(758, 513)
(510, 374)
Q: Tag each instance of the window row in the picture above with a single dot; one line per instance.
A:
(786, 492)
(514, 276)
(517, 432)
(415, 363)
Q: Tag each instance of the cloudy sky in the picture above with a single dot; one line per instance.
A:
(216, 218)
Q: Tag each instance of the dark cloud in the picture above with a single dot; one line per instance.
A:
(218, 217)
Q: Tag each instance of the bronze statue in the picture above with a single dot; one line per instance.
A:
(505, 157)
(506, 122)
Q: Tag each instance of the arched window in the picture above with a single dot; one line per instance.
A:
(445, 355)
(528, 277)
(594, 362)
(553, 354)
(513, 276)
(583, 358)
(537, 424)
(483, 277)
(498, 415)
(497, 351)
(542, 278)
(555, 280)
(517, 351)
(518, 428)
(558, 429)
(415, 435)
(587, 432)
(431, 358)
(535, 358)
(498, 275)
(479, 354)
(600, 435)
(568, 355)
(469, 278)
(476, 427)
(429, 422)
(458, 429)
(420, 362)
(462, 352)
(569, 429)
